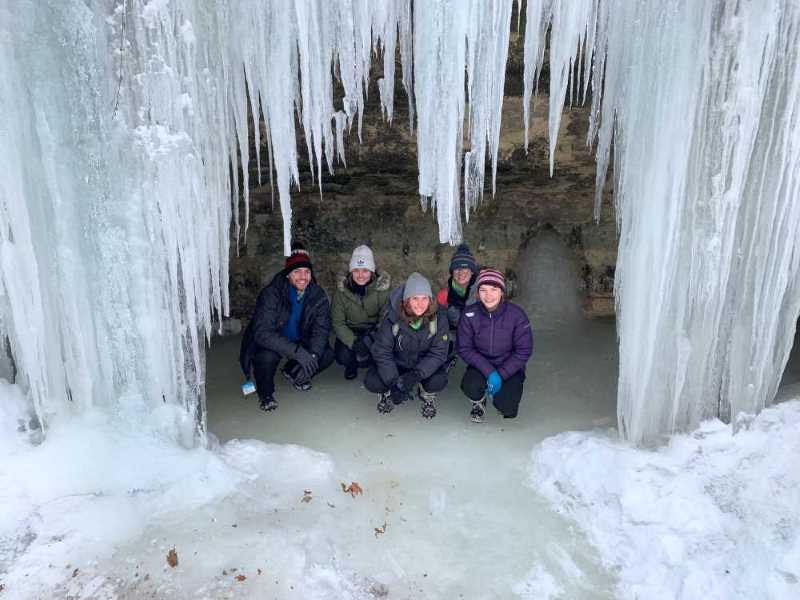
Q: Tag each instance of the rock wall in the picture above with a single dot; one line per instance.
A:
(374, 201)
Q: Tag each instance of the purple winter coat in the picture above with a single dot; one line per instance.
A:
(501, 340)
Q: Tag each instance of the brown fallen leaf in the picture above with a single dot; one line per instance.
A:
(380, 530)
(306, 496)
(75, 573)
(240, 577)
(172, 558)
(353, 489)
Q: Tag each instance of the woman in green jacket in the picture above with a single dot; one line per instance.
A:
(357, 308)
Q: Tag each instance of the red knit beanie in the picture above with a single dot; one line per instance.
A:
(298, 259)
(489, 276)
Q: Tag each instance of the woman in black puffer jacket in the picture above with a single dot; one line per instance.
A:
(410, 348)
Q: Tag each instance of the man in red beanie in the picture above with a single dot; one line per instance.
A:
(292, 320)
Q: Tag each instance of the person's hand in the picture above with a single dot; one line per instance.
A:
(397, 395)
(408, 380)
(307, 360)
(493, 383)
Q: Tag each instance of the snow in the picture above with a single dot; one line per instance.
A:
(713, 514)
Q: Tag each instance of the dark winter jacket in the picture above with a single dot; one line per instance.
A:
(453, 304)
(397, 346)
(271, 315)
(351, 313)
(501, 340)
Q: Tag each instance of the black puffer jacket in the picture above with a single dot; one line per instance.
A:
(271, 315)
(424, 350)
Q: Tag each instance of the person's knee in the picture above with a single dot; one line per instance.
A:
(473, 384)
(264, 358)
(326, 360)
(374, 383)
(344, 355)
(508, 407)
(436, 382)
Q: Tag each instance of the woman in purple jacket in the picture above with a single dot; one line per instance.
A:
(495, 340)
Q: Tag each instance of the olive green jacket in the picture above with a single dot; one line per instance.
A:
(350, 313)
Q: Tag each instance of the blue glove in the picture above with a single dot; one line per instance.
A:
(493, 383)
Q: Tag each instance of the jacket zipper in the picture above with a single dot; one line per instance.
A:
(491, 336)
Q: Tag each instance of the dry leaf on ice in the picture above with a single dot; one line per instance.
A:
(306, 496)
(353, 489)
(380, 530)
(172, 558)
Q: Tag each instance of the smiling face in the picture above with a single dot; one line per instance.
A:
(361, 276)
(462, 275)
(490, 296)
(419, 304)
(300, 278)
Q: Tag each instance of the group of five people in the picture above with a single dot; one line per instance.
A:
(407, 338)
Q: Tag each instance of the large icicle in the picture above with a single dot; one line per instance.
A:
(451, 39)
(708, 158)
(701, 101)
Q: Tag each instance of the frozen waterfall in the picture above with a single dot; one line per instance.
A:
(124, 122)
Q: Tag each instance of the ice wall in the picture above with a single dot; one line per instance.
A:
(700, 103)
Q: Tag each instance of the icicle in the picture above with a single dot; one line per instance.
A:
(486, 65)
(707, 162)
(537, 20)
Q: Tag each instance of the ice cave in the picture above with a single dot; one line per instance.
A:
(632, 167)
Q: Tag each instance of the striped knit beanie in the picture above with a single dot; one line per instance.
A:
(489, 276)
(298, 259)
(463, 258)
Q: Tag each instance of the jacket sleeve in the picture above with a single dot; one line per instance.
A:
(320, 325)
(339, 321)
(265, 324)
(436, 355)
(382, 350)
(523, 347)
(453, 316)
(465, 345)
(441, 298)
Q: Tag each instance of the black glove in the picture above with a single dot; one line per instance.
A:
(397, 395)
(360, 348)
(307, 360)
(408, 380)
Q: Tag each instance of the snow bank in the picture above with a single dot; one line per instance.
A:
(93, 511)
(712, 515)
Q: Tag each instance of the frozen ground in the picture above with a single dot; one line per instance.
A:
(461, 521)
(505, 509)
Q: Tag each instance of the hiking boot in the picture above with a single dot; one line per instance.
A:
(268, 404)
(302, 386)
(297, 378)
(351, 372)
(478, 410)
(385, 404)
(428, 406)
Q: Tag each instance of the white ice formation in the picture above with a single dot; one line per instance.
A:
(125, 122)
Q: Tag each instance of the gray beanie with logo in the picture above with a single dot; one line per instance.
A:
(362, 258)
(416, 285)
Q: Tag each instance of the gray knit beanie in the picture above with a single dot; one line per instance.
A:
(362, 258)
(416, 285)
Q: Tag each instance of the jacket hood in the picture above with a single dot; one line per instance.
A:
(382, 282)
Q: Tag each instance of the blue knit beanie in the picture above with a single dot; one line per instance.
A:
(463, 258)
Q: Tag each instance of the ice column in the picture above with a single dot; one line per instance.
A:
(701, 101)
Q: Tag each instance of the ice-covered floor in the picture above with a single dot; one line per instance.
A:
(449, 509)
(460, 519)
